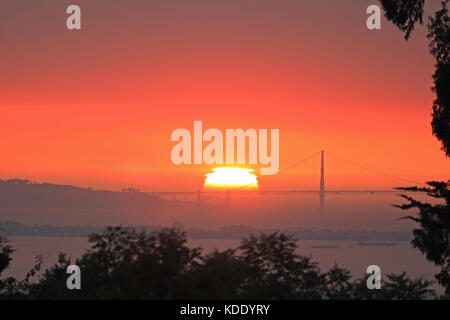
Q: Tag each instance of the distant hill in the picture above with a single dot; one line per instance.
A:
(17, 193)
(31, 202)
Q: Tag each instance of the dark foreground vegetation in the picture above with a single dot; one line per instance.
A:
(125, 264)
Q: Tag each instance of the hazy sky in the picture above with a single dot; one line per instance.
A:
(97, 107)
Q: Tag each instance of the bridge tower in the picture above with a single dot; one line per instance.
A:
(322, 182)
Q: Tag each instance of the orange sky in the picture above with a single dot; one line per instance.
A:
(97, 107)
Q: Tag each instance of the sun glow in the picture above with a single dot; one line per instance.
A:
(231, 177)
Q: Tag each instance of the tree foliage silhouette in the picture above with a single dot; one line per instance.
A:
(405, 14)
(433, 236)
(7, 285)
(396, 287)
(125, 264)
(5, 253)
(278, 271)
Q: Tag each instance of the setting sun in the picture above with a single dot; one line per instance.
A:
(231, 177)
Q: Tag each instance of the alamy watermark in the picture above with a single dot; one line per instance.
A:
(73, 21)
(235, 139)
(74, 280)
(374, 280)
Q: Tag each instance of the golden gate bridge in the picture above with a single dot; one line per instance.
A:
(202, 196)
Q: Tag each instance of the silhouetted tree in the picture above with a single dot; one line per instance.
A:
(222, 275)
(396, 287)
(278, 271)
(405, 14)
(433, 236)
(5, 253)
(338, 285)
(125, 264)
(400, 287)
(5, 258)
(10, 288)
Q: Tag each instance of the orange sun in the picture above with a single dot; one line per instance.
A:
(231, 177)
